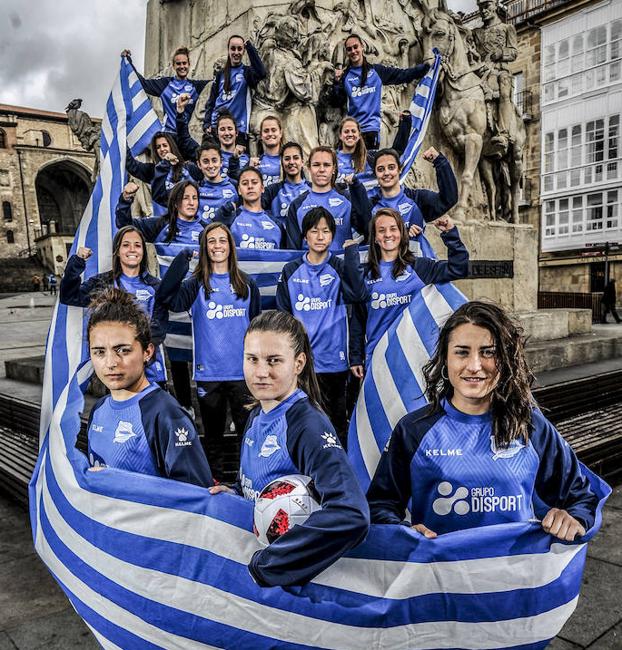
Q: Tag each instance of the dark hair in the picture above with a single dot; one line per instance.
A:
(314, 216)
(226, 71)
(405, 256)
(117, 306)
(208, 144)
(359, 157)
(282, 322)
(224, 114)
(290, 145)
(116, 248)
(174, 201)
(253, 170)
(203, 270)
(276, 119)
(365, 66)
(172, 145)
(333, 155)
(387, 152)
(511, 399)
(181, 50)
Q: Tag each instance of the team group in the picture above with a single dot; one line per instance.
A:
(293, 364)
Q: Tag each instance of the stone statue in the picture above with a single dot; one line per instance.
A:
(497, 46)
(291, 89)
(87, 132)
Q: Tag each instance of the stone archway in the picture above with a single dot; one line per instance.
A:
(63, 188)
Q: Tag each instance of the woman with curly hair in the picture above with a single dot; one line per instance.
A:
(481, 453)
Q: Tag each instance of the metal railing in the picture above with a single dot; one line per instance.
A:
(524, 103)
(519, 11)
(571, 300)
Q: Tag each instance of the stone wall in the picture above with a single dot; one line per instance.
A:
(20, 162)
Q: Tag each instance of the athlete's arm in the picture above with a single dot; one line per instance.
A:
(174, 292)
(141, 170)
(256, 71)
(188, 146)
(342, 523)
(361, 207)
(211, 103)
(457, 264)
(292, 229)
(150, 227)
(391, 76)
(352, 276)
(435, 204)
(283, 299)
(254, 308)
(358, 323)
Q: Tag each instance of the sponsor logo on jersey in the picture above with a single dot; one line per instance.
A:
(247, 488)
(188, 88)
(442, 452)
(208, 212)
(309, 303)
(227, 193)
(384, 300)
(227, 97)
(269, 447)
(267, 225)
(404, 208)
(476, 500)
(330, 441)
(357, 91)
(215, 311)
(98, 427)
(326, 279)
(300, 280)
(249, 241)
(142, 294)
(269, 180)
(123, 432)
(515, 447)
(195, 235)
(182, 434)
(404, 276)
(335, 202)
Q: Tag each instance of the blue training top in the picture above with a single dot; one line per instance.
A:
(219, 321)
(277, 198)
(317, 294)
(270, 168)
(213, 195)
(447, 462)
(250, 229)
(297, 438)
(149, 433)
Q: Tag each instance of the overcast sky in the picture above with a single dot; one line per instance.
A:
(52, 51)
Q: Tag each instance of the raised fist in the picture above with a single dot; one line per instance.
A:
(129, 190)
(430, 154)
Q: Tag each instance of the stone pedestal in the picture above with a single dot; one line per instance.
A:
(498, 242)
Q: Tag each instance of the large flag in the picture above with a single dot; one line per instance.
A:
(153, 563)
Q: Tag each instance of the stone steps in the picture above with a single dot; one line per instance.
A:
(551, 324)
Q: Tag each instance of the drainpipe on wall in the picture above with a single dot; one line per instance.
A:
(21, 178)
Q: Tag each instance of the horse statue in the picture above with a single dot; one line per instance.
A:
(468, 122)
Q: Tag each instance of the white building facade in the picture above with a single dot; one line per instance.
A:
(581, 108)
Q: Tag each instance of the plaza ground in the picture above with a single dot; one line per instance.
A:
(35, 614)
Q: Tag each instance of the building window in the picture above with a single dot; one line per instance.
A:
(47, 138)
(597, 277)
(7, 211)
(4, 178)
(612, 209)
(10, 237)
(2, 139)
(581, 155)
(582, 62)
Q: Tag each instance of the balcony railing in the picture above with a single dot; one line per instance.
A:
(524, 103)
(570, 300)
(519, 11)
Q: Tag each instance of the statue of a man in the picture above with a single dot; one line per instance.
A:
(84, 129)
(497, 45)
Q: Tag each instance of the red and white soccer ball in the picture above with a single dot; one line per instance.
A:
(282, 504)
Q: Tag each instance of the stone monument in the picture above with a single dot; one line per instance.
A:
(476, 125)
(87, 133)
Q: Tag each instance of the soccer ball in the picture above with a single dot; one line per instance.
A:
(282, 504)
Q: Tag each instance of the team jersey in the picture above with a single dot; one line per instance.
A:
(250, 229)
(387, 297)
(79, 294)
(345, 166)
(317, 294)
(238, 100)
(164, 179)
(364, 100)
(144, 172)
(213, 195)
(447, 465)
(297, 438)
(155, 229)
(270, 168)
(219, 321)
(150, 434)
(337, 204)
(277, 198)
(243, 161)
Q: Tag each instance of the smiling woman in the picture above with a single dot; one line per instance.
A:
(481, 453)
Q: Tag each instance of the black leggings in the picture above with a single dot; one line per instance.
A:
(180, 373)
(214, 396)
(333, 391)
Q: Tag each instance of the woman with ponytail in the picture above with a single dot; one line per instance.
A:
(481, 453)
(138, 427)
(288, 433)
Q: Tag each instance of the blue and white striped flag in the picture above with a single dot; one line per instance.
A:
(154, 563)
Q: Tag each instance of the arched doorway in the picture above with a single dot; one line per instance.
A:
(63, 190)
